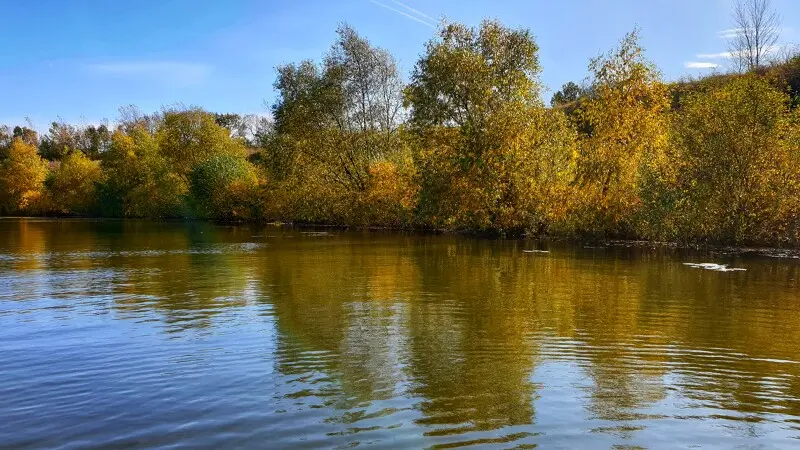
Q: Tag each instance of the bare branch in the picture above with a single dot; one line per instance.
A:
(758, 29)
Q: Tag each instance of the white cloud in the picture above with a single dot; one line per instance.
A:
(733, 32)
(728, 55)
(729, 33)
(402, 13)
(700, 65)
(171, 72)
(722, 55)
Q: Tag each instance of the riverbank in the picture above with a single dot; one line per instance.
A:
(631, 156)
(709, 248)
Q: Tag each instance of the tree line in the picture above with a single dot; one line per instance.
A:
(466, 144)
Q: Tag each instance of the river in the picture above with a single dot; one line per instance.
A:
(137, 334)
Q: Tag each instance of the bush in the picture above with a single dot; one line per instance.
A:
(735, 173)
(139, 180)
(73, 187)
(224, 187)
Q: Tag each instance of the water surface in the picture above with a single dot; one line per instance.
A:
(118, 334)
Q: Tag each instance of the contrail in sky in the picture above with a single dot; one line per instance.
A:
(403, 13)
(415, 11)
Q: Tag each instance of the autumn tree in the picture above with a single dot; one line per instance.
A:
(26, 135)
(467, 74)
(22, 175)
(72, 188)
(60, 140)
(738, 163)
(140, 181)
(131, 117)
(63, 138)
(332, 122)
(188, 137)
(341, 114)
(486, 140)
(224, 187)
(23, 133)
(367, 79)
(94, 140)
(626, 130)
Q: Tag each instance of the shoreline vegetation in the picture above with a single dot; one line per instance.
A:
(596, 243)
(465, 145)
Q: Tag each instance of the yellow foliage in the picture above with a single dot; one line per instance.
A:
(736, 154)
(519, 182)
(714, 160)
(627, 129)
(140, 181)
(73, 187)
(22, 176)
(390, 197)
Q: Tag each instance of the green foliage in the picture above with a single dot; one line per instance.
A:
(63, 139)
(187, 138)
(59, 141)
(786, 77)
(94, 140)
(234, 123)
(467, 74)
(334, 122)
(569, 93)
(26, 135)
(341, 114)
(224, 187)
(139, 180)
(467, 145)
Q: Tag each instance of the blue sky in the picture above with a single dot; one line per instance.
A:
(82, 59)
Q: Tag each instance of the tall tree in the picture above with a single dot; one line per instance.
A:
(488, 145)
(60, 140)
(466, 74)
(627, 130)
(341, 115)
(72, 188)
(94, 140)
(737, 151)
(188, 137)
(368, 81)
(756, 30)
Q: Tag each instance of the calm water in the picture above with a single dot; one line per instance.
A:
(140, 334)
